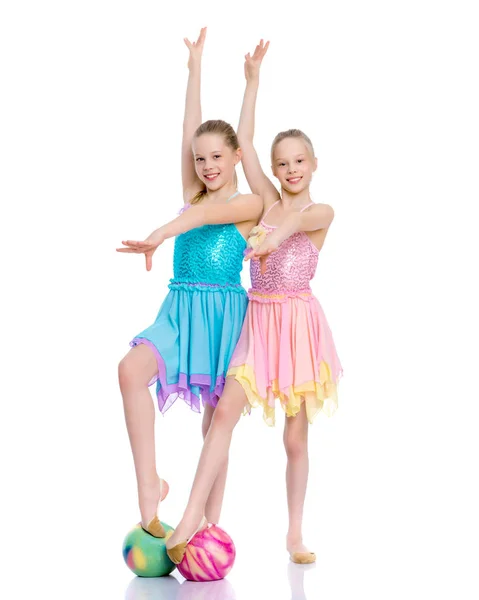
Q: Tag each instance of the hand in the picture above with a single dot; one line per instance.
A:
(196, 48)
(271, 244)
(253, 63)
(147, 247)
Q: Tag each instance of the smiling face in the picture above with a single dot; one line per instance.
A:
(293, 164)
(215, 160)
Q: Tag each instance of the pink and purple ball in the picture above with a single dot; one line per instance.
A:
(209, 556)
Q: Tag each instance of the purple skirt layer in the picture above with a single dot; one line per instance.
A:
(168, 393)
(193, 339)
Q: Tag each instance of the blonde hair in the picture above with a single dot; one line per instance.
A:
(291, 133)
(220, 128)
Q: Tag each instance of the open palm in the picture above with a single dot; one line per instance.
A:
(196, 48)
(146, 247)
(253, 63)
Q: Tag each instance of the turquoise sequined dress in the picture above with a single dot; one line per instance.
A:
(200, 320)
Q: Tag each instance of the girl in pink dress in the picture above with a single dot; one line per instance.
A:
(285, 351)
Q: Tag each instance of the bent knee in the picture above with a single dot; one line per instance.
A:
(126, 372)
(137, 368)
(130, 374)
(224, 417)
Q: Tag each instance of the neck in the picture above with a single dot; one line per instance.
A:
(222, 194)
(289, 200)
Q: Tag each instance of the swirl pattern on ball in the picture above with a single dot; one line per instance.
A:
(209, 556)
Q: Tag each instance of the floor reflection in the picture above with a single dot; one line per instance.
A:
(296, 580)
(149, 588)
(214, 590)
(169, 588)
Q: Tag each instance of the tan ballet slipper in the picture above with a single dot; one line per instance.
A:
(154, 527)
(303, 558)
(177, 553)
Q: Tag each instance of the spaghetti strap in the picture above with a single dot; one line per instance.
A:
(307, 206)
(270, 209)
(233, 196)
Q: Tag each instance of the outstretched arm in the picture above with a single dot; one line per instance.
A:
(320, 216)
(247, 207)
(256, 177)
(192, 118)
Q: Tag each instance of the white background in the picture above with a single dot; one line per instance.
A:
(91, 112)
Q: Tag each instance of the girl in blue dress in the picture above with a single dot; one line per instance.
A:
(187, 350)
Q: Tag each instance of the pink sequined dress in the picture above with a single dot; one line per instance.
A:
(286, 350)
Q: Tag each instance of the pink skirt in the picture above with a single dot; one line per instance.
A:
(286, 352)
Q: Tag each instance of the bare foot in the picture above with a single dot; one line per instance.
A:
(149, 496)
(186, 529)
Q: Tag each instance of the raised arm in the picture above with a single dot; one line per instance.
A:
(192, 119)
(256, 177)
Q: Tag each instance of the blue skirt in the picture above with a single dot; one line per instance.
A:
(193, 339)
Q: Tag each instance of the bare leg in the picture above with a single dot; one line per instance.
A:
(296, 446)
(212, 459)
(215, 499)
(135, 372)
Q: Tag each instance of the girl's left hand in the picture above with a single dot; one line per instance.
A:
(146, 247)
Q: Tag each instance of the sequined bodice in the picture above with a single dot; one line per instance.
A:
(289, 269)
(210, 255)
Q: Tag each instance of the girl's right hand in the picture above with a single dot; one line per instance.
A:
(261, 253)
(196, 48)
(253, 63)
(146, 247)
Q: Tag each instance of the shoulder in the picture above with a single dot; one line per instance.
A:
(320, 209)
(251, 199)
(271, 199)
(316, 216)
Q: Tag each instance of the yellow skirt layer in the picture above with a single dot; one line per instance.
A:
(318, 395)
